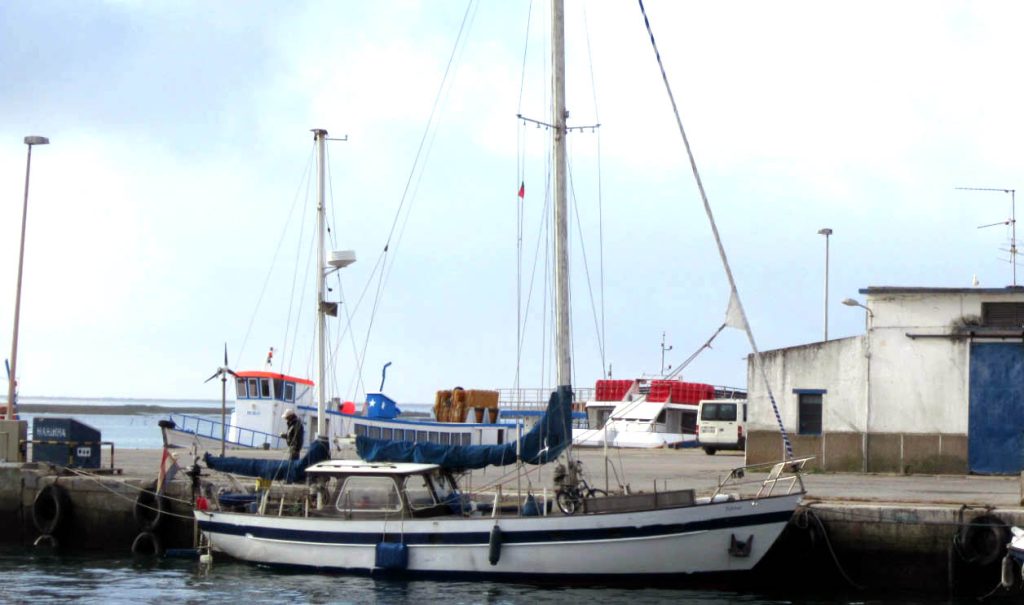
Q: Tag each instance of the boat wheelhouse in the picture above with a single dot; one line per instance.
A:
(261, 398)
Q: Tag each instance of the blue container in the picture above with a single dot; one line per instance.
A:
(65, 442)
(379, 405)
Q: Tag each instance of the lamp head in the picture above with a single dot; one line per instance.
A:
(849, 302)
(36, 140)
(826, 231)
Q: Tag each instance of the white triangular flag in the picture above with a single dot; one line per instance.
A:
(734, 315)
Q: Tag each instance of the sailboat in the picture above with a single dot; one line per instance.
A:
(400, 508)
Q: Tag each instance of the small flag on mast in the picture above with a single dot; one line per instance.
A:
(522, 189)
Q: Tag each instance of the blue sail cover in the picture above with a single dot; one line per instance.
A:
(288, 470)
(543, 443)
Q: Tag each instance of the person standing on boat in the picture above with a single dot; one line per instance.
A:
(294, 435)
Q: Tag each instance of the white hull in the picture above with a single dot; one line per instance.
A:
(693, 539)
(176, 438)
(631, 439)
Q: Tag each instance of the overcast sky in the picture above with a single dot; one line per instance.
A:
(180, 143)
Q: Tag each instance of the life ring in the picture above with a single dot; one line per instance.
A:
(147, 544)
(983, 540)
(149, 509)
(50, 509)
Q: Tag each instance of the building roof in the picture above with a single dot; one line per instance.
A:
(929, 290)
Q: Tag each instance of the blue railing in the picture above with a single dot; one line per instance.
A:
(211, 429)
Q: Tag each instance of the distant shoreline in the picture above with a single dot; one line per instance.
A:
(126, 409)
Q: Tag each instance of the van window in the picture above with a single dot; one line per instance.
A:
(719, 411)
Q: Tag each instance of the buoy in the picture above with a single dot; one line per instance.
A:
(50, 509)
(149, 509)
(494, 546)
(146, 544)
(1007, 576)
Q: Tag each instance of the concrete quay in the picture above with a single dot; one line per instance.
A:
(853, 533)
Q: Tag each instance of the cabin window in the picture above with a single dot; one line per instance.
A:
(421, 436)
(418, 492)
(265, 388)
(240, 388)
(374, 432)
(810, 413)
(661, 417)
(386, 434)
(254, 392)
(369, 494)
(289, 391)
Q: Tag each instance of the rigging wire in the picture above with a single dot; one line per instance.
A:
(718, 240)
(600, 204)
(521, 179)
(277, 250)
(416, 172)
(586, 265)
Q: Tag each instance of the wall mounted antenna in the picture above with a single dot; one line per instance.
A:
(1012, 222)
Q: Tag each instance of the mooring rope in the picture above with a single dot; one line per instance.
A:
(718, 240)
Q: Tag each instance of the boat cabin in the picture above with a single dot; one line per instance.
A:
(365, 490)
(271, 385)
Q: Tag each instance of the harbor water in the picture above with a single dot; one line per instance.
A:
(26, 576)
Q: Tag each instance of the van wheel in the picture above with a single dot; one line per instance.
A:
(710, 451)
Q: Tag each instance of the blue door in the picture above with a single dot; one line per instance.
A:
(995, 438)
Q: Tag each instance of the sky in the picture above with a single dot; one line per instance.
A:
(169, 215)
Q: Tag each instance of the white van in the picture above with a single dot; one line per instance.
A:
(721, 424)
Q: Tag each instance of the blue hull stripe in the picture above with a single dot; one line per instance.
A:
(507, 536)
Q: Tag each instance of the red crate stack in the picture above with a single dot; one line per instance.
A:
(612, 390)
(691, 392)
(660, 390)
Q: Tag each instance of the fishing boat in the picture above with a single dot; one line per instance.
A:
(401, 507)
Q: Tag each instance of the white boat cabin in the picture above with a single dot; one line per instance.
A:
(261, 398)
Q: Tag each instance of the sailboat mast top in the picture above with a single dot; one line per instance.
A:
(320, 136)
(562, 353)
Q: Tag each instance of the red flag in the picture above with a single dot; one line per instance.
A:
(522, 190)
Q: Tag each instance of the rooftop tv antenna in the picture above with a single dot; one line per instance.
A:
(1012, 222)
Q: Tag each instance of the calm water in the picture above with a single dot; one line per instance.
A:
(41, 578)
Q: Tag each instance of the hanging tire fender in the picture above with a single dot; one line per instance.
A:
(149, 509)
(983, 540)
(147, 544)
(51, 509)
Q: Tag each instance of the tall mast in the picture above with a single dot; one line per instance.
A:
(320, 136)
(561, 206)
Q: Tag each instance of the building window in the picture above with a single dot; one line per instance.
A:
(1002, 315)
(810, 413)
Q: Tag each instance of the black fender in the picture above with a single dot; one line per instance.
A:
(51, 509)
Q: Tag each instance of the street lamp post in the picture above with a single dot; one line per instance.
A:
(826, 232)
(868, 320)
(11, 412)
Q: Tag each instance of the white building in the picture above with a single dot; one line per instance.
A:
(936, 384)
